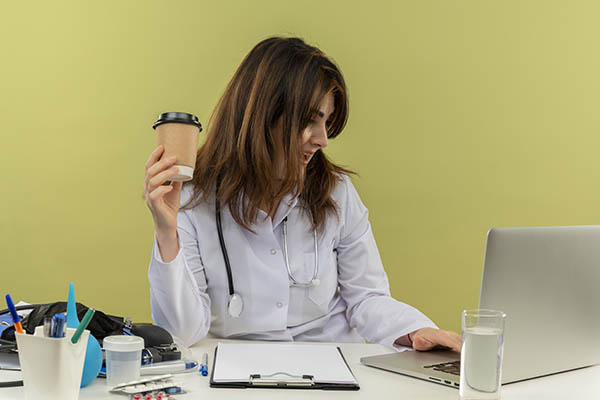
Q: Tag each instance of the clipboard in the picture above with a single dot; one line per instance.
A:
(278, 366)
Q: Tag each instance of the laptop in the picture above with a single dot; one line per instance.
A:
(546, 280)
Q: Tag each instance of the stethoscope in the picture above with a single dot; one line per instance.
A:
(236, 303)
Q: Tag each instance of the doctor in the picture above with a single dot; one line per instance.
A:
(270, 240)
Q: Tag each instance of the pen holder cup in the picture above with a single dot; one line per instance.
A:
(51, 367)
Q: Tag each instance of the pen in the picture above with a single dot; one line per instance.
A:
(84, 323)
(168, 367)
(13, 313)
(58, 326)
(48, 326)
(204, 365)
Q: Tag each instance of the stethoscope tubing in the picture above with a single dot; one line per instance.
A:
(295, 282)
(236, 303)
(224, 249)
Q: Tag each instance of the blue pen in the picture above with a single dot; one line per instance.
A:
(13, 313)
(204, 365)
(58, 325)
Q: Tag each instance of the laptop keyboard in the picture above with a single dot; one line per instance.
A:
(449, 367)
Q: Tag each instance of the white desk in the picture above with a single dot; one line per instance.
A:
(374, 384)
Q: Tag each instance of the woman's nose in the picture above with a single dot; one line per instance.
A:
(320, 137)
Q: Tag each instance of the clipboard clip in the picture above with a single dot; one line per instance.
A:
(282, 379)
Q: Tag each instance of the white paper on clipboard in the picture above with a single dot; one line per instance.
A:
(235, 362)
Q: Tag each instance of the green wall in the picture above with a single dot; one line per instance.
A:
(464, 115)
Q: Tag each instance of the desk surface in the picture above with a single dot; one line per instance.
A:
(374, 384)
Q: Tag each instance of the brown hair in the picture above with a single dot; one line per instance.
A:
(280, 82)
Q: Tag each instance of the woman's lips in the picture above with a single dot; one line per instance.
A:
(306, 157)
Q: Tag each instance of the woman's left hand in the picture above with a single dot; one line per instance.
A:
(428, 338)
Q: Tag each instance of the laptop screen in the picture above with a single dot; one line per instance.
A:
(546, 280)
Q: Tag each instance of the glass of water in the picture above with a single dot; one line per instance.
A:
(481, 355)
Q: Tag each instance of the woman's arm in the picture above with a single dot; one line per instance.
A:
(363, 282)
(163, 198)
(178, 295)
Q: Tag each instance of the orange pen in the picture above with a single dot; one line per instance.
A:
(19, 327)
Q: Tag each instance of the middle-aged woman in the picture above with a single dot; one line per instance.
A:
(270, 240)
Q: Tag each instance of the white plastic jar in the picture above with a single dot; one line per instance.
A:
(123, 358)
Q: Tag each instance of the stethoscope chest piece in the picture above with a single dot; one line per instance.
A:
(235, 305)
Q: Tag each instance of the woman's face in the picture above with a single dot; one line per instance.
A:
(314, 136)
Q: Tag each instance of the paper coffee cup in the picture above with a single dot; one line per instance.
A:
(178, 133)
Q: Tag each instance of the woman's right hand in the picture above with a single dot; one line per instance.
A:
(163, 201)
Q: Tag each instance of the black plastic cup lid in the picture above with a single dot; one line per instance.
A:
(179, 117)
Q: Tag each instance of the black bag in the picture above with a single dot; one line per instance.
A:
(158, 343)
(100, 326)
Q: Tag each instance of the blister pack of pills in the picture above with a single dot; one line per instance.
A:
(150, 386)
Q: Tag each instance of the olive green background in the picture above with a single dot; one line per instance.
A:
(464, 115)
